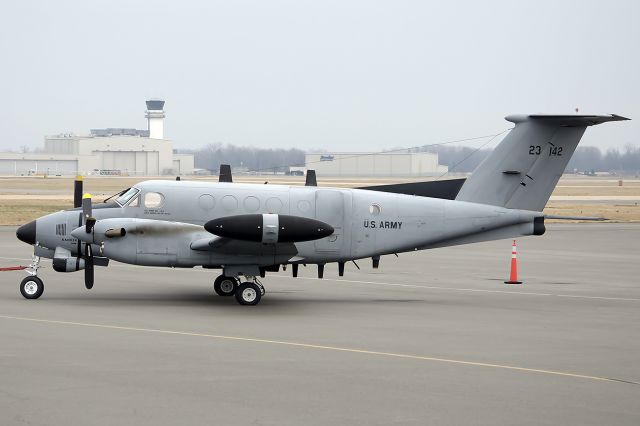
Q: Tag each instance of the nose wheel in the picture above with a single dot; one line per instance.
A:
(31, 287)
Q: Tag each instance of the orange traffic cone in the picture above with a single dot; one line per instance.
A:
(513, 276)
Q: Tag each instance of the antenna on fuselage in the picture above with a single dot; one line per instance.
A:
(225, 173)
(311, 178)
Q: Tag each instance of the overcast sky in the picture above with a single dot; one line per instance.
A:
(342, 75)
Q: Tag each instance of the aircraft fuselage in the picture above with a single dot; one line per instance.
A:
(161, 229)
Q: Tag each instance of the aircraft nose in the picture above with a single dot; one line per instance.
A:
(27, 233)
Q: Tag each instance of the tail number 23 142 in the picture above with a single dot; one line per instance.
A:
(554, 151)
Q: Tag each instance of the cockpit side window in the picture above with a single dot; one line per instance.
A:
(135, 202)
(127, 196)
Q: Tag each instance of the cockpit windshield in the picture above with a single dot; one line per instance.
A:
(126, 196)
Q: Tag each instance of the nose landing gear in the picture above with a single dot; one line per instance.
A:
(32, 287)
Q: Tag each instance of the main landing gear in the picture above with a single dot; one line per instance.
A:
(32, 287)
(247, 293)
(225, 286)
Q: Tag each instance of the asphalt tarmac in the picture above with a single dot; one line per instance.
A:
(433, 337)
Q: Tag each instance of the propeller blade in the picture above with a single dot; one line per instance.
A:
(88, 267)
(89, 221)
(77, 192)
(86, 206)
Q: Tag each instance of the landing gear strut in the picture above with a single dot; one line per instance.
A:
(32, 287)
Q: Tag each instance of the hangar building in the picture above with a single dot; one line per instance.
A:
(111, 151)
(375, 164)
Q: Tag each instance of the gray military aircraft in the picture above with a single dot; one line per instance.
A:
(247, 230)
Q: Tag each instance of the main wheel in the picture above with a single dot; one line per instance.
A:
(32, 287)
(225, 286)
(248, 294)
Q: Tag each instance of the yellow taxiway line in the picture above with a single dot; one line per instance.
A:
(319, 347)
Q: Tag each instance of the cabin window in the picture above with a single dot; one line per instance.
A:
(206, 201)
(229, 202)
(251, 204)
(153, 200)
(304, 206)
(375, 209)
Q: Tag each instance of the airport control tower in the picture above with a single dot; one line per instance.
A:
(155, 118)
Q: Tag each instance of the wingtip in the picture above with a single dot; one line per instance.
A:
(620, 118)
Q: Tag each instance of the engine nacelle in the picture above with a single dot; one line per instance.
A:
(538, 226)
(67, 264)
(269, 228)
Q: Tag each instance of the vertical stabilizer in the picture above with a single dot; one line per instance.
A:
(525, 167)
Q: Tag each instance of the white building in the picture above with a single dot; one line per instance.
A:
(112, 151)
(375, 164)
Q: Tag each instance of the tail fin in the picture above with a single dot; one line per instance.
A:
(525, 167)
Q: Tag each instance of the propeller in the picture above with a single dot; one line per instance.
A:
(86, 212)
(89, 222)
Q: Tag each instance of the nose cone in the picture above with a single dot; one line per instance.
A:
(27, 233)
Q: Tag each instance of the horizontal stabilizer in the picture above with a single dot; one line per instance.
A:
(566, 120)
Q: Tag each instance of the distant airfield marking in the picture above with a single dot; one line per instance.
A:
(321, 347)
(479, 290)
(387, 284)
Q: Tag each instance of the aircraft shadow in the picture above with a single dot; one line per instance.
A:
(275, 299)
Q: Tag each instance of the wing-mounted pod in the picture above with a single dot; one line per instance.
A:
(269, 228)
